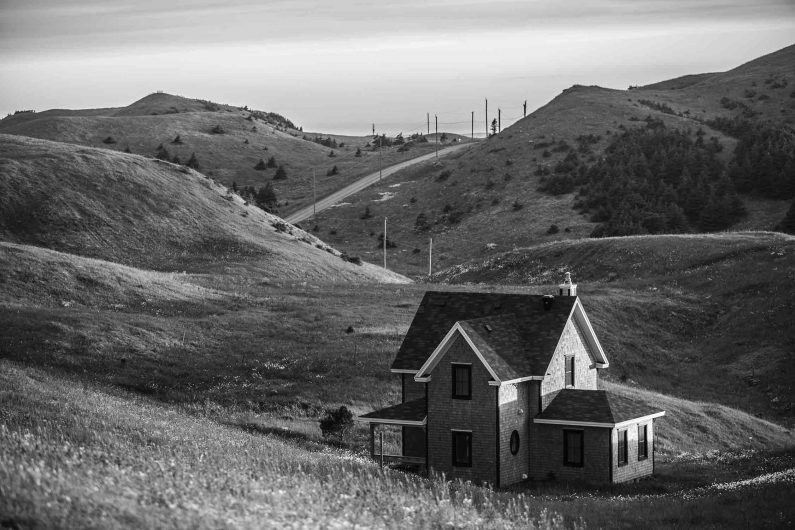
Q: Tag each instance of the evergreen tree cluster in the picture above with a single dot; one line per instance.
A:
(651, 180)
(265, 197)
(764, 162)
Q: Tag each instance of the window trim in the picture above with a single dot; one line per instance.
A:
(644, 454)
(515, 436)
(566, 461)
(623, 448)
(453, 380)
(468, 438)
(566, 360)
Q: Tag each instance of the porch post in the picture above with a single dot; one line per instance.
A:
(372, 441)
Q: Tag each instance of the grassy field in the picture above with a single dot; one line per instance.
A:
(227, 157)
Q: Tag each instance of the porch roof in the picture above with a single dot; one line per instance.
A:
(408, 413)
(596, 408)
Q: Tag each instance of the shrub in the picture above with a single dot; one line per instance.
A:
(192, 162)
(177, 140)
(333, 171)
(336, 423)
(367, 214)
(517, 206)
(272, 161)
(280, 174)
(332, 154)
(261, 165)
(218, 130)
(109, 140)
(358, 152)
(553, 229)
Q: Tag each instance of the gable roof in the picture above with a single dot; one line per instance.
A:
(595, 408)
(516, 316)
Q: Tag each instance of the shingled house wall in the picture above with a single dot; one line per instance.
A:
(634, 468)
(547, 454)
(514, 416)
(478, 415)
(413, 437)
(585, 373)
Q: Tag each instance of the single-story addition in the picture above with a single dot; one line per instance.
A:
(498, 388)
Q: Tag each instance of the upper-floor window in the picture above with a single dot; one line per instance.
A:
(623, 455)
(643, 445)
(572, 448)
(462, 381)
(462, 448)
(569, 370)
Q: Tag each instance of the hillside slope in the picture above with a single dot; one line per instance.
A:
(667, 308)
(228, 143)
(149, 214)
(488, 199)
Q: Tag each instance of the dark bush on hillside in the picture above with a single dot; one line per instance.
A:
(193, 162)
(356, 260)
(280, 174)
(163, 154)
(553, 229)
(266, 198)
(109, 140)
(176, 160)
(333, 171)
(272, 162)
(336, 423)
(177, 140)
(444, 175)
(787, 224)
(358, 152)
(127, 149)
(332, 154)
(517, 206)
(261, 165)
(366, 214)
(389, 242)
(421, 223)
(218, 130)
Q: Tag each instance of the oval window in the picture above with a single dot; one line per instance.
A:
(514, 442)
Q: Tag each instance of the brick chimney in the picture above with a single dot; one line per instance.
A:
(567, 288)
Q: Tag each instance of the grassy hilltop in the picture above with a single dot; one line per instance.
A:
(228, 143)
(489, 198)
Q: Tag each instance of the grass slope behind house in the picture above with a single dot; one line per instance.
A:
(150, 214)
(704, 316)
(229, 156)
(486, 200)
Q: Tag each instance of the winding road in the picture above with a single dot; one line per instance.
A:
(362, 183)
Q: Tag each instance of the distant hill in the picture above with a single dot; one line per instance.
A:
(150, 214)
(488, 200)
(687, 315)
(228, 143)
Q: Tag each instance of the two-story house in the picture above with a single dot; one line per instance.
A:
(498, 388)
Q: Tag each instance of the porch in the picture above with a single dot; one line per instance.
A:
(406, 448)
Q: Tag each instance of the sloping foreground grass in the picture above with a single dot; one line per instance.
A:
(73, 456)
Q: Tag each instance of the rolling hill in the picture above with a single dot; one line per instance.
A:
(488, 200)
(670, 308)
(228, 142)
(150, 214)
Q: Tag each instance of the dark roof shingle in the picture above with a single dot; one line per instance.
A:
(409, 411)
(523, 333)
(594, 406)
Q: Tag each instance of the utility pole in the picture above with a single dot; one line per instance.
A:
(428, 118)
(487, 118)
(430, 258)
(435, 117)
(314, 197)
(499, 120)
(385, 242)
(473, 124)
(524, 111)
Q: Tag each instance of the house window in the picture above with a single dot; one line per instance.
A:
(572, 448)
(514, 442)
(462, 449)
(462, 381)
(622, 448)
(643, 446)
(570, 371)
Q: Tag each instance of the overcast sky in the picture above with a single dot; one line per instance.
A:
(340, 65)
